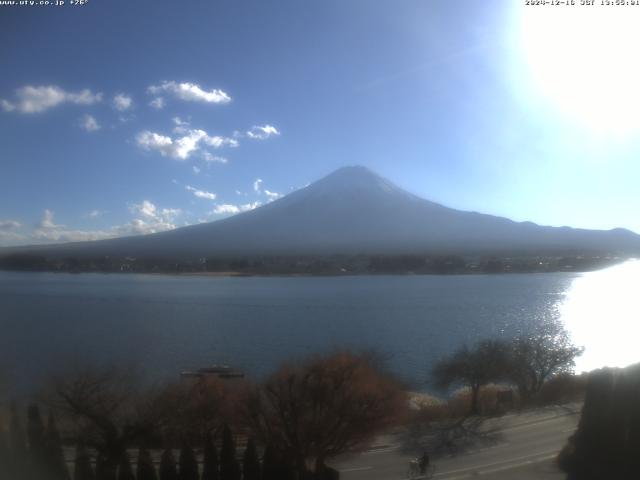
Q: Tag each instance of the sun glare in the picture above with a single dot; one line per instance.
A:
(601, 311)
(584, 59)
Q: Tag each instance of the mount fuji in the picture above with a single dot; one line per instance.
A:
(353, 211)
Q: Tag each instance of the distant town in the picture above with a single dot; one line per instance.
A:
(314, 264)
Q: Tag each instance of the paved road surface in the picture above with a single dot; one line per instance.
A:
(526, 448)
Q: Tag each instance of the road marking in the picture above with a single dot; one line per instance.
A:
(381, 451)
(522, 464)
(483, 449)
(477, 473)
(499, 466)
(355, 469)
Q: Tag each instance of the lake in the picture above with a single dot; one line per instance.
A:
(164, 324)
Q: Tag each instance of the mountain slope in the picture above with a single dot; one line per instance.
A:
(353, 210)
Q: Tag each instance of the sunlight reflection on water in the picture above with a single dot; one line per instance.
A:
(602, 311)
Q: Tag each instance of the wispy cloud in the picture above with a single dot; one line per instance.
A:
(180, 125)
(210, 158)
(122, 102)
(217, 141)
(30, 99)
(47, 220)
(190, 92)
(262, 132)
(95, 213)
(181, 148)
(157, 103)
(6, 225)
(257, 188)
(9, 233)
(89, 123)
(8, 238)
(201, 193)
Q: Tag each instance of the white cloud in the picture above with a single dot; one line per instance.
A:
(184, 146)
(8, 238)
(95, 213)
(218, 142)
(89, 123)
(180, 125)
(64, 235)
(31, 99)
(272, 195)
(122, 102)
(152, 219)
(7, 106)
(209, 158)
(201, 193)
(9, 225)
(47, 220)
(48, 231)
(195, 169)
(263, 132)
(8, 233)
(257, 187)
(190, 92)
(157, 103)
(227, 208)
(181, 148)
(148, 210)
(147, 218)
(154, 141)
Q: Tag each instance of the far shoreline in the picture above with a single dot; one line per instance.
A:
(233, 274)
(338, 265)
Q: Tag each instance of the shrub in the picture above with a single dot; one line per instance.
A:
(188, 464)
(562, 389)
(210, 467)
(168, 470)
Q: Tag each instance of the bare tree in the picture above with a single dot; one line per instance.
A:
(108, 409)
(324, 407)
(473, 367)
(534, 358)
(193, 409)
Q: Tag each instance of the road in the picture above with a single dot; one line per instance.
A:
(525, 449)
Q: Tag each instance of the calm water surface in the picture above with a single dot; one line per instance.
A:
(164, 324)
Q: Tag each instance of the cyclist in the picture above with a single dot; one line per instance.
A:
(424, 462)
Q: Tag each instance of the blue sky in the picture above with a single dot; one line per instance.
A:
(488, 106)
